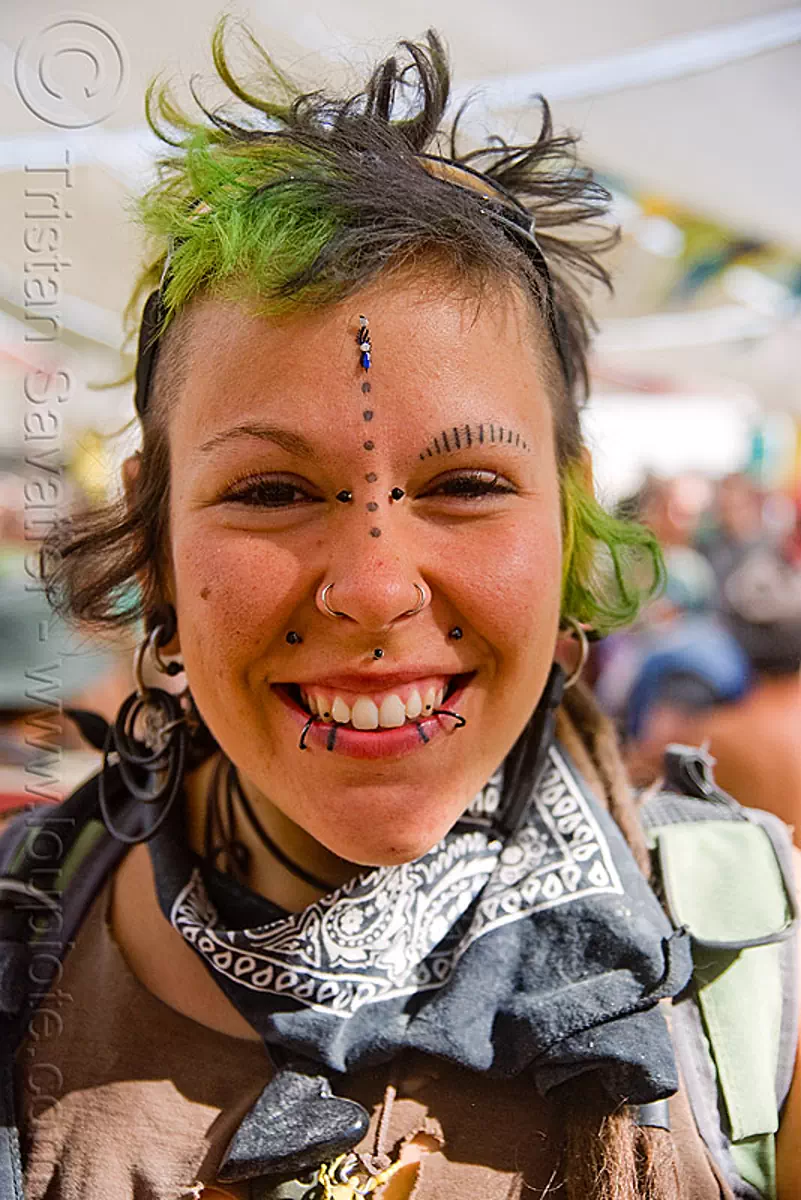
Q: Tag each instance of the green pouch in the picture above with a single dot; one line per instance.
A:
(723, 881)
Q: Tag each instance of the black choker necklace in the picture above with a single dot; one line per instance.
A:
(238, 855)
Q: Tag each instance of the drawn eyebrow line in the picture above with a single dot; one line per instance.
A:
(293, 443)
(463, 436)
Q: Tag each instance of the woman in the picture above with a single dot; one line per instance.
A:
(376, 929)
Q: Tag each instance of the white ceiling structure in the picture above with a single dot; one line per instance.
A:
(696, 101)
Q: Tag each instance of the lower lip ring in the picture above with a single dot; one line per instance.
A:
(369, 743)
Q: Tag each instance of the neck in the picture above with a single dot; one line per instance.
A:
(266, 874)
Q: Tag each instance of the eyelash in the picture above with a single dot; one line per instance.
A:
(469, 485)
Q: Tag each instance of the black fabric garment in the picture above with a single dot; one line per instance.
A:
(546, 951)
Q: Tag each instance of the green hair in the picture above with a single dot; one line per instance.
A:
(609, 566)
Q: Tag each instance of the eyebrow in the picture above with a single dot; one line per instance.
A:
(460, 437)
(293, 443)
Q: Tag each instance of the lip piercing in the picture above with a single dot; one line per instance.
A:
(378, 653)
(332, 733)
(446, 712)
(397, 494)
(345, 496)
(293, 638)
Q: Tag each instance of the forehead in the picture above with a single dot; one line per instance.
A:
(436, 353)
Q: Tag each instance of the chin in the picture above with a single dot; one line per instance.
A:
(401, 846)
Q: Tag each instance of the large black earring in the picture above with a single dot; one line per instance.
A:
(149, 738)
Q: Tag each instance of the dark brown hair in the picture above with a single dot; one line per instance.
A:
(305, 199)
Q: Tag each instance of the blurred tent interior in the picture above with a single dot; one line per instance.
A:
(690, 111)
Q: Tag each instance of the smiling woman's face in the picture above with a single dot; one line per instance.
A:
(274, 419)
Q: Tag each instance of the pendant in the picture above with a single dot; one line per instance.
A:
(296, 1121)
(345, 1178)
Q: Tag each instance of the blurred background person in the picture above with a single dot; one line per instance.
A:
(735, 527)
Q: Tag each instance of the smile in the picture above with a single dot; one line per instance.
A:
(376, 724)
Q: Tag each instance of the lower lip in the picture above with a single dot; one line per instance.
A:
(373, 743)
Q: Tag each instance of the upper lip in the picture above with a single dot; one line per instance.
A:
(374, 683)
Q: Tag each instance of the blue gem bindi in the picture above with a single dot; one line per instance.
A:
(365, 347)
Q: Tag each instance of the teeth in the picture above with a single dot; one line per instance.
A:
(392, 712)
(364, 714)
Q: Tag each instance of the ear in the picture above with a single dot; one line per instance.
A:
(131, 471)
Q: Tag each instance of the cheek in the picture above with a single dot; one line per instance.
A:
(511, 585)
(232, 592)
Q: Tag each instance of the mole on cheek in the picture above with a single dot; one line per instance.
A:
(204, 593)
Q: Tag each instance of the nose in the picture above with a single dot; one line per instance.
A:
(370, 586)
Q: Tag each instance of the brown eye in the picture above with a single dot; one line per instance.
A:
(267, 493)
(473, 485)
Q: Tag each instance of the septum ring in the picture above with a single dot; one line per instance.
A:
(410, 612)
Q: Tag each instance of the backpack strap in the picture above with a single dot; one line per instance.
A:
(53, 862)
(725, 872)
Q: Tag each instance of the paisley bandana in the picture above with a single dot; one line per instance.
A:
(546, 950)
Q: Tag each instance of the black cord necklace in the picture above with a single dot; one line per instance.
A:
(238, 855)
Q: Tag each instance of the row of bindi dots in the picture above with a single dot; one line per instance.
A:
(365, 361)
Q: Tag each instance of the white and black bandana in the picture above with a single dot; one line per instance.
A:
(546, 950)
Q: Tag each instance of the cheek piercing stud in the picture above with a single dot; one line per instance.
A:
(293, 638)
(397, 494)
(456, 633)
(345, 497)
